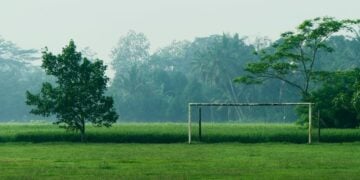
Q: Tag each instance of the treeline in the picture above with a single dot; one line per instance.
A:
(156, 86)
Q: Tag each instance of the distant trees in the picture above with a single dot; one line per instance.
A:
(344, 57)
(157, 85)
(17, 73)
(131, 86)
(130, 50)
(217, 63)
(77, 95)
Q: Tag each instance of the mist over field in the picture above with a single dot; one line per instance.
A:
(156, 86)
(161, 55)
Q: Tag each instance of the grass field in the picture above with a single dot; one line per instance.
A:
(160, 151)
(179, 161)
(174, 133)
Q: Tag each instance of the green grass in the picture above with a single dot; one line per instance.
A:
(34, 151)
(179, 161)
(174, 133)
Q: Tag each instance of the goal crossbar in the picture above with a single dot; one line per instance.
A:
(190, 105)
(247, 104)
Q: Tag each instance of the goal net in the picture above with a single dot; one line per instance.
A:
(196, 113)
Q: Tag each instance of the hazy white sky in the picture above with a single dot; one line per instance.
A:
(99, 23)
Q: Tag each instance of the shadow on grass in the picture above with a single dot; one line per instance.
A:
(97, 138)
(173, 138)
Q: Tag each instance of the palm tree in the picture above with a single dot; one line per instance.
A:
(218, 61)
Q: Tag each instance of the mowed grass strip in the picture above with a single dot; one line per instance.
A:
(174, 133)
(179, 161)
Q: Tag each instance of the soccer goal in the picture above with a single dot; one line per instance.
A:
(199, 105)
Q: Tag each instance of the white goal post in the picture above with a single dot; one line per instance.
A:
(190, 105)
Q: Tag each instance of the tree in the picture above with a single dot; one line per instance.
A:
(345, 57)
(218, 62)
(17, 72)
(174, 57)
(338, 99)
(77, 97)
(293, 57)
(132, 49)
(10, 51)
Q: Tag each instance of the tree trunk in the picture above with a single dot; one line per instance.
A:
(83, 139)
(82, 131)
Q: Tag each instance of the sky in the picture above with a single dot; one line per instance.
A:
(98, 24)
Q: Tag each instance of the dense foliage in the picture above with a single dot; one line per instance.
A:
(338, 99)
(76, 97)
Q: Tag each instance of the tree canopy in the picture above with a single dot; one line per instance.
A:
(292, 59)
(77, 95)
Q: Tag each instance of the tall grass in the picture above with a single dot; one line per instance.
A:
(174, 133)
